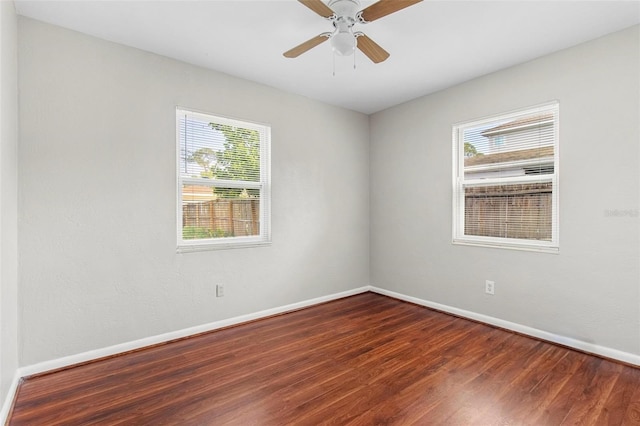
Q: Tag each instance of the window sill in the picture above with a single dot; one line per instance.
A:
(509, 246)
(220, 246)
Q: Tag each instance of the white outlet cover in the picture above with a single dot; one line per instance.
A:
(489, 287)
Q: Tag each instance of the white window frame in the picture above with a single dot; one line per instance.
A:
(460, 183)
(264, 186)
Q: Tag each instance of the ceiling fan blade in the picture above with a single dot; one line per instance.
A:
(307, 45)
(318, 7)
(370, 48)
(383, 8)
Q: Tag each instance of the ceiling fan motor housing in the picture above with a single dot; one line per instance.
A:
(345, 9)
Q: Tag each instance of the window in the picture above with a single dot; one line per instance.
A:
(505, 180)
(223, 182)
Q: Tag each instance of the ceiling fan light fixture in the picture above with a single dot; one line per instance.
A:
(343, 43)
(344, 14)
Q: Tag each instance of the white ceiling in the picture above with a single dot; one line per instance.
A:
(433, 45)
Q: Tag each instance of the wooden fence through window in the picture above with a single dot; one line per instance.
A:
(509, 211)
(223, 217)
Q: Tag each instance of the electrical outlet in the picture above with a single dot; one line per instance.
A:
(489, 287)
(219, 290)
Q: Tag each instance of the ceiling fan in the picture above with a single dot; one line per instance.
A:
(344, 14)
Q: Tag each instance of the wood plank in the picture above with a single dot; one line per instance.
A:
(632, 412)
(366, 359)
(499, 398)
(587, 407)
(558, 409)
(622, 400)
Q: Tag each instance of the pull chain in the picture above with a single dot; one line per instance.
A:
(334, 63)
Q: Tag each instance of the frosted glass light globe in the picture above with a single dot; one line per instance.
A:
(343, 43)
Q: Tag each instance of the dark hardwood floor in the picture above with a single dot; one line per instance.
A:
(363, 360)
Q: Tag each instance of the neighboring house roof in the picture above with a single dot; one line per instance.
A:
(529, 121)
(196, 193)
(505, 157)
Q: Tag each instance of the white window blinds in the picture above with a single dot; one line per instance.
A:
(223, 181)
(505, 180)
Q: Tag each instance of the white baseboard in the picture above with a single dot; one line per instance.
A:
(592, 348)
(8, 401)
(165, 337)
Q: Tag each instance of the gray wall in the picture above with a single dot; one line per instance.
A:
(98, 262)
(97, 205)
(590, 291)
(8, 196)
